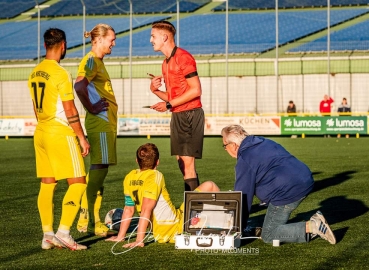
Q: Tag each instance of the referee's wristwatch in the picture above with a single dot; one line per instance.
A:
(169, 106)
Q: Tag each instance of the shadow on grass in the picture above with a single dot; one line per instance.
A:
(88, 239)
(340, 233)
(335, 180)
(318, 185)
(335, 210)
(23, 254)
(339, 208)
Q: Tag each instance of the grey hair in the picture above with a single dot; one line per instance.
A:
(234, 134)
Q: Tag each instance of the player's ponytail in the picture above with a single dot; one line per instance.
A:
(100, 30)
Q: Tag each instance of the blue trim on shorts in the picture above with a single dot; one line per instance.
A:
(104, 148)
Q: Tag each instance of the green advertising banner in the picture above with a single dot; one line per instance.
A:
(324, 125)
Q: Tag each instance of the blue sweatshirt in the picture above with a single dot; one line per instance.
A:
(265, 169)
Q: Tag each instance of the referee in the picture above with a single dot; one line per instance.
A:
(182, 97)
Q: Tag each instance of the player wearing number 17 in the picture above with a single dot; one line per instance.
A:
(59, 154)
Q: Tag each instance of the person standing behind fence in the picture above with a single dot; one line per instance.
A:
(325, 105)
(344, 109)
(182, 97)
(59, 155)
(291, 108)
(94, 89)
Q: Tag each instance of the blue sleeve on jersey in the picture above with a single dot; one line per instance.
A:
(129, 201)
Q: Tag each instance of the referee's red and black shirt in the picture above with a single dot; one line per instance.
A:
(176, 69)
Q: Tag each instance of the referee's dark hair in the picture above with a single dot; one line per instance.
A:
(54, 36)
(165, 25)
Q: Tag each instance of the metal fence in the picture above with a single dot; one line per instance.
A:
(281, 65)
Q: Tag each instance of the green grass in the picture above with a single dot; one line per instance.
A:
(340, 170)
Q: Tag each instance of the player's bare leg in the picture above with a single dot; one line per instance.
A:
(208, 186)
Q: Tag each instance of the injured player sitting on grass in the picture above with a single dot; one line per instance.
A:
(146, 193)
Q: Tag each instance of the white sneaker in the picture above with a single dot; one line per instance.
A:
(47, 242)
(322, 228)
(63, 240)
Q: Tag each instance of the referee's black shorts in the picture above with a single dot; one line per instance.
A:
(187, 133)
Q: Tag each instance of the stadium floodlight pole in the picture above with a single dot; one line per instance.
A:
(84, 28)
(130, 52)
(226, 52)
(38, 32)
(178, 23)
(329, 45)
(277, 52)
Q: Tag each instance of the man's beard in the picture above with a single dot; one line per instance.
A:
(63, 54)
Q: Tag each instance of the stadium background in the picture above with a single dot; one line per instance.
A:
(253, 56)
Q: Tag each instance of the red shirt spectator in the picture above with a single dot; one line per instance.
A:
(325, 104)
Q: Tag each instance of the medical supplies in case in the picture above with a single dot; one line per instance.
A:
(212, 220)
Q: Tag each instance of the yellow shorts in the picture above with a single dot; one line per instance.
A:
(167, 233)
(58, 156)
(103, 147)
(180, 225)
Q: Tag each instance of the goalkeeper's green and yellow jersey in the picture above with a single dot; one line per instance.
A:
(50, 84)
(167, 221)
(93, 69)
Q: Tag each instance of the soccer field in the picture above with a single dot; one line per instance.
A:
(341, 172)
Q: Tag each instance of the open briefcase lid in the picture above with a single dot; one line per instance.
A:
(212, 212)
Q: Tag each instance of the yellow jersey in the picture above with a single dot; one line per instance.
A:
(167, 221)
(50, 84)
(93, 69)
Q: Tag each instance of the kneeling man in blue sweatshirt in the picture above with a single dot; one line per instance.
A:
(268, 171)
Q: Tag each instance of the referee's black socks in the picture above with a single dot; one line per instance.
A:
(191, 184)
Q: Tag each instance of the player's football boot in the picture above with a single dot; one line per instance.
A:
(100, 229)
(63, 240)
(47, 241)
(82, 225)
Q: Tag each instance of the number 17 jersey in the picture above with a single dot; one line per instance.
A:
(50, 84)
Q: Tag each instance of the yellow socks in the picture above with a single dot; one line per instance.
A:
(98, 204)
(46, 206)
(95, 184)
(71, 204)
(84, 204)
